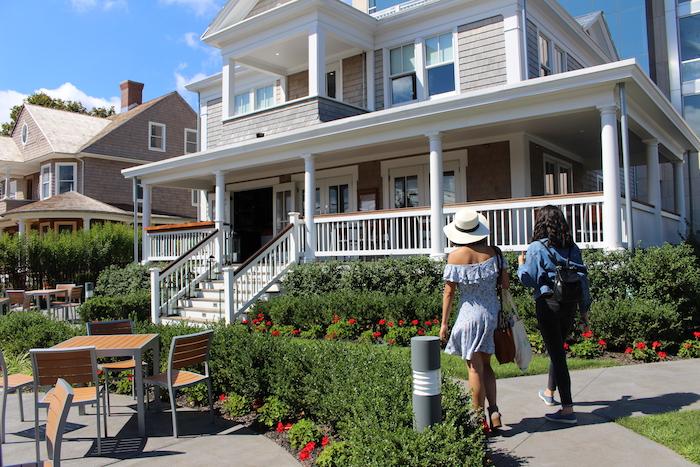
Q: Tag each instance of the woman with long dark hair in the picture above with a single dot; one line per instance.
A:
(553, 267)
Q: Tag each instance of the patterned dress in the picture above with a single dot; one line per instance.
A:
(478, 307)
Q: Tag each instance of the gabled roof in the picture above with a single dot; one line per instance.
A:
(9, 151)
(66, 132)
(231, 13)
(70, 201)
(596, 27)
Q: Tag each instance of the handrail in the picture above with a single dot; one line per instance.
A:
(189, 252)
(262, 249)
(180, 227)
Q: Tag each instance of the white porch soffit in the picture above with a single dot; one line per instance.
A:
(573, 91)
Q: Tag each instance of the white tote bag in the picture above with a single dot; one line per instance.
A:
(523, 351)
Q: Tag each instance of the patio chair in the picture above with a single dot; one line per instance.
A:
(70, 301)
(185, 352)
(101, 328)
(19, 297)
(59, 403)
(11, 383)
(78, 366)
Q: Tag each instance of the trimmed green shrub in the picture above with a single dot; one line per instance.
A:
(18, 363)
(621, 322)
(135, 306)
(302, 432)
(274, 410)
(336, 454)
(689, 349)
(587, 348)
(235, 405)
(115, 280)
(22, 331)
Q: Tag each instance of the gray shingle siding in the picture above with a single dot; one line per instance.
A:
(378, 79)
(572, 63)
(482, 54)
(37, 144)
(533, 58)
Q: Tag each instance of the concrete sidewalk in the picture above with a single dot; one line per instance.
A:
(201, 442)
(601, 396)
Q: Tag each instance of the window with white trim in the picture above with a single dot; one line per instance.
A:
(45, 181)
(559, 60)
(558, 176)
(65, 226)
(195, 198)
(439, 64)
(156, 136)
(25, 134)
(65, 177)
(190, 141)
(544, 46)
(402, 74)
(254, 99)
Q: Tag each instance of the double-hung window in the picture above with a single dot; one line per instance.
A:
(557, 176)
(545, 52)
(402, 70)
(243, 104)
(255, 99)
(439, 64)
(190, 141)
(559, 60)
(156, 136)
(65, 177)
(45, 181)
(264, 97)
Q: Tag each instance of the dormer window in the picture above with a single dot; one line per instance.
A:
(545, 52)
(156, 136)
(403, 74)
(45, 181)
(439, 64)
(25, 134)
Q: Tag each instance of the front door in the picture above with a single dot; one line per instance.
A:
(284, 204)
(252, 219)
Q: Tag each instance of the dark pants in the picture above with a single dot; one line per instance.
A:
(555, 326)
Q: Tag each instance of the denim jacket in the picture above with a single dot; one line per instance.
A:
(538, 272)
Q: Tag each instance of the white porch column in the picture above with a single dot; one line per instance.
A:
(145, 222)
(310, 207)
(369, 69)
(421, 81)
(317, 61)
(8, 180)
(612, 212)
(654, 186)
(86, 223)
(22, 226)
(228, 96)
(679, 194)
(437, 241)
(219, 205)
(512, 30)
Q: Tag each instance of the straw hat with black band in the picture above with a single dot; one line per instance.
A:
(467, 227)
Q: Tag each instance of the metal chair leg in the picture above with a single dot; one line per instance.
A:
(171, 390)
(109, 405)
(104, 411)
(21, 404)
(99, 428)
(211, 400)
(4, 410)
(36, 427)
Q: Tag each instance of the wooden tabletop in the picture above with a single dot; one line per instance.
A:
(46, 291)
(109, 342)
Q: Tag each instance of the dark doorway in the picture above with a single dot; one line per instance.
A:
(252, 219)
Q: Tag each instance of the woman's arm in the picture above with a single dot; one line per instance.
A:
(447, 298)
(528, 271)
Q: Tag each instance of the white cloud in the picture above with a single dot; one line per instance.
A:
(182, 80)
(200, 7)
(192, 40)
(106, 5)
(66, 91)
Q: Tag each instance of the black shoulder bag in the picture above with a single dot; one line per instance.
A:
(567, 283)
(503, 335)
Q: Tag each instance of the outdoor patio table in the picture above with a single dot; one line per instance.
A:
(47, 293)
(124, 345)
(4, 305)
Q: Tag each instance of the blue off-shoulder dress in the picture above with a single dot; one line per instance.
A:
(478, 307)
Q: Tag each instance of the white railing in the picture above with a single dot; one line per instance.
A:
(670, 223)
(400, 7)
(169, 245)
(179, 278)
(407, 231)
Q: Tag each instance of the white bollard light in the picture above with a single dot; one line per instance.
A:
(427, 399)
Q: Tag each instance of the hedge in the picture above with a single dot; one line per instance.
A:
(30, 260)
(117, 280)
(26, 330)
(135, 306)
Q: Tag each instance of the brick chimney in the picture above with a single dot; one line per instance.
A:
(132, 94)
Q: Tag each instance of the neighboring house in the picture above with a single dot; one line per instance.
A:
(62, 170)
(673, 30)
(377, 127)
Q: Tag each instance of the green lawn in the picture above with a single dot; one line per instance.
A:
(679, 431)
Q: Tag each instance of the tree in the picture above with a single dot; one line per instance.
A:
(44, 100)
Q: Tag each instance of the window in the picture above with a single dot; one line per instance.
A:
(254, 99)
(65, 227)
(406, 192)
(689, 32)
(195, 198)
(190, 141)
(449, 192)
(557, 176)
(559, 60)
(439, 64)
(45, 181)
(691, 111)
(2, 189)
(65, 177)
(402, 70)
(545, 51)
(156, 136)
(264, 97)
(338, 199)
(242, 104)
(25, 134)
(331, 84)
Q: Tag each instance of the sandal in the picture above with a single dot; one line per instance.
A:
(495, 417)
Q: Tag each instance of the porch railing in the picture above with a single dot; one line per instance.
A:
(407, 231)
(168, 243)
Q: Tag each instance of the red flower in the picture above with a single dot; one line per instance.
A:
(421, 331)
(261, 316)
(336, 318)
(99, 372)
(687, 345)
(280, 427)
(696, 334)
(391, 341)
(352, 321)
(288, 426)
(390, 324)
(222, 397)
(401, 322)
(629, 350)
(324, 441)
(641, 345)
(428, 324)
(268, 323)
(245, 321)
(602, 343)
(130, 377)
(436, 321)
(415, 322)
(296, 332)
(566, 346)
(382, 322)
(304, 455)
(275, 333)
(662, 355)
(376, 334)
(655, 344)
(310, 446)
(587, 335)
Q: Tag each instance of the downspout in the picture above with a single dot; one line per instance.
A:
(525, 72)
(626, 165)
(134, 196)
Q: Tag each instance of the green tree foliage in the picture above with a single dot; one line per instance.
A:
(44, 100)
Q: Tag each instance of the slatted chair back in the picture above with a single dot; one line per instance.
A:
(76, 294)
(17, 297)
(190, 350)
(59, 401)
(64, 286)
(105, 328)
(77, 365)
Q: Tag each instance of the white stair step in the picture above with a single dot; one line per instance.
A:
(201, 314)
(203, 302)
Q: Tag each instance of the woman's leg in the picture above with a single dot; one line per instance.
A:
(489, 379)
(476, 372)
(551, 329)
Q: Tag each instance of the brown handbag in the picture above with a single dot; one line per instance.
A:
(503, 335)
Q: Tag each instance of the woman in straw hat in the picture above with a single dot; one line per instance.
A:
(474, 267)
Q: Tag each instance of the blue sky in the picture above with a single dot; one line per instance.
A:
(82, 49)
